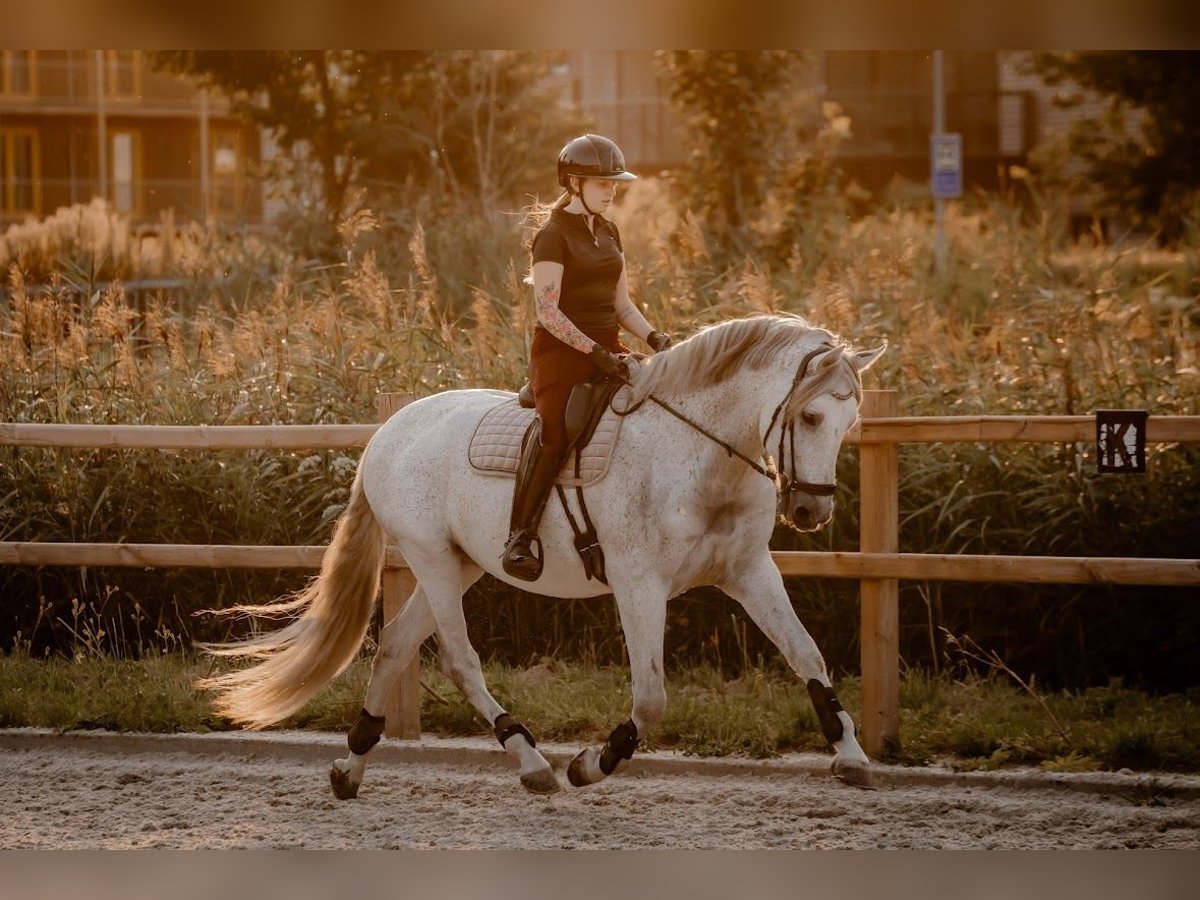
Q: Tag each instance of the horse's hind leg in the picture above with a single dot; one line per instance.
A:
(399, 641)
(761, 593)
(643, 619)
(444, 586)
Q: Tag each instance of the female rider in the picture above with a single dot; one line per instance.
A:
(582, 298)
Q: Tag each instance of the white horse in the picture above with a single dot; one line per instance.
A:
(677, 508)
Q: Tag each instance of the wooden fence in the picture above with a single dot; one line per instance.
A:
(878, 565)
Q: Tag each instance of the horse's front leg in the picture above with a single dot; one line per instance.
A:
(399, 641)
(643, 619)
(759, 589)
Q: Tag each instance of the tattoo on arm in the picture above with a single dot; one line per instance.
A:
(556, 322)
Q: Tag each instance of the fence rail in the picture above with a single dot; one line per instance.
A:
(878, 565)
(187, 437)
(811, 564)
(877, 430)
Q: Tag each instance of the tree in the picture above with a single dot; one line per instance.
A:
(310, 97)
(1148, 173)
(454, 124)
(468, 120)
(730, 100)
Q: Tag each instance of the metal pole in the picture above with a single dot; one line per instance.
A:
(939, 128)
(205, 176)
(101, 125)
(72, 148)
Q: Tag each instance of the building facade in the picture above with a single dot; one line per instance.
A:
(1000, 111)
(79, 124)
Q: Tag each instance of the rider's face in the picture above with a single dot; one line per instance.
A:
(598, 193)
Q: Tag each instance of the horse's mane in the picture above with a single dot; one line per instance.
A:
(714, 353)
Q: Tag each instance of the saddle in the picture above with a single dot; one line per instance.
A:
(495, 448)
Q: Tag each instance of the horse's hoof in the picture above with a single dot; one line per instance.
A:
(541, 781)
(343, 787)
(575, 771)
(854, 773)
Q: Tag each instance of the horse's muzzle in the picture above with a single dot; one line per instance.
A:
(808, 513)
(807, 505)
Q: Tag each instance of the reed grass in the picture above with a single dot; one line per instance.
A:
(1019, 323)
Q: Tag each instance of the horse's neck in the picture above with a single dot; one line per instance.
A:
(738, 408)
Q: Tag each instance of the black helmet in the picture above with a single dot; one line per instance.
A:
(592, 156)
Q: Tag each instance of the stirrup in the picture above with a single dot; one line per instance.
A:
(526, 568)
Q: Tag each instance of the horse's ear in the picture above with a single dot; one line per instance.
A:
(864, 359)
(830, 359)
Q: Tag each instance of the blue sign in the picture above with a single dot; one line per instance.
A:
(945, 160)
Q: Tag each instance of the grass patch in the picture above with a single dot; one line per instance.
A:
(988, 722)
(975, 723)
(153, 694)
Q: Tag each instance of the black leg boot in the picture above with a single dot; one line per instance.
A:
(535, 477)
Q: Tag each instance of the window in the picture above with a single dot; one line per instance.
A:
(888, 96)
(975, 71)
(123, 73)
(902, 70)
(226, 188)
(20, 191)
(17, 72)
(849, 70)
(124, 162)
(885, 94)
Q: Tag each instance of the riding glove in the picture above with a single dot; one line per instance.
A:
(659, 340)
(608, 364)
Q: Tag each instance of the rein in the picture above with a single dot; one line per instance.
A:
(726, 446)
(769, 472)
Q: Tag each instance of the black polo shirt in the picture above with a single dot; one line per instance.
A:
(591, 267)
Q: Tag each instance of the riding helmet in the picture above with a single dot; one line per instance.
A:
(592, 156)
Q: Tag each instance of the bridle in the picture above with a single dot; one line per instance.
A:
(787, 430)
(784, 484)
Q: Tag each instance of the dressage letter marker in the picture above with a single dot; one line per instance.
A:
(1121, 440)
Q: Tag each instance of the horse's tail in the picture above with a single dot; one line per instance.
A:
(299, 660)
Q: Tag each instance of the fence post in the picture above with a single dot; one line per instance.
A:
(403, 709)
(879, 511)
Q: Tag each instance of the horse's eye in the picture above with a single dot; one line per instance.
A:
(810, 418)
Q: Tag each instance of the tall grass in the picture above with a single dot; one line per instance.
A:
(1017, 324)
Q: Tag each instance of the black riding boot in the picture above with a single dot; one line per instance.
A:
(535, 477)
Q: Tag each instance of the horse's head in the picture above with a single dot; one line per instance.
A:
(804, 432)
(809, 427)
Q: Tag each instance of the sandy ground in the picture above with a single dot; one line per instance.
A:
(118, 791)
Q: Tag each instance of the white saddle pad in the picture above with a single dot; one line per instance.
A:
(496, 444)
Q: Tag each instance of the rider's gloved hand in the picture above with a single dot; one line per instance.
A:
(608, 364)
(659, 340)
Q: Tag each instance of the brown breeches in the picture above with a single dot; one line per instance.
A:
(555, 368)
